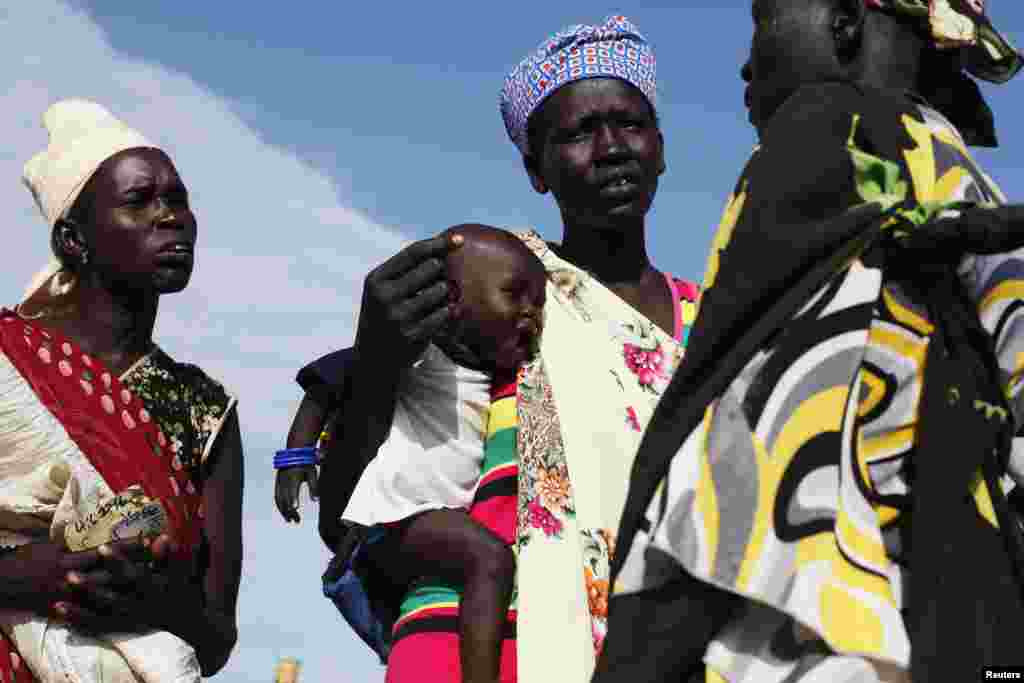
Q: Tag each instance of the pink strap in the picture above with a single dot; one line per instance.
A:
(682, 290)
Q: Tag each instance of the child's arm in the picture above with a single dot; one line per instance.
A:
(306, 428)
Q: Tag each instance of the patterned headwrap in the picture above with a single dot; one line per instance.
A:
(959, 24)
(614, 49)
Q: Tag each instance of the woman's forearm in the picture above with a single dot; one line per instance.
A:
(211, 633)
(33, 576)
(213, 629)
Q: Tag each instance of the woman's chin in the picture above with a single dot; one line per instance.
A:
(171, 283)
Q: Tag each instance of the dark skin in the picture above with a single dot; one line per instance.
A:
(798, 42)
(600, 154)
(594, 133)
(801, 42)
(499, 284)
(487, 310)
(139, 232)
(305, 431)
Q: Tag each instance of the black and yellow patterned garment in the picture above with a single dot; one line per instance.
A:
(786, 470)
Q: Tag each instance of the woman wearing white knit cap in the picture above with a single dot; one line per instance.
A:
(120, 469)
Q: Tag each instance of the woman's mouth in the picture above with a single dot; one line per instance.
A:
(618, 188)
(176, 259)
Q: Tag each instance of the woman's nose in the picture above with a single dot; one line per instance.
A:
(610, 143)
(746, 73)
(166, 213)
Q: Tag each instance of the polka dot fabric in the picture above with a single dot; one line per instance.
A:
(105, 419)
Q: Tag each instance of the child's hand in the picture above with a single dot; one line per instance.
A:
(287, 486)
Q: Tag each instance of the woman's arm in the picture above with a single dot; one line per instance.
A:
(133, 586)
(222, 502)
(405, 303)
(34, 577)
(205, 615)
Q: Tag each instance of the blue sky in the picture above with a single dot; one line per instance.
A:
(317, 137)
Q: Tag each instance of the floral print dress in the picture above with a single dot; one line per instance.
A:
(582, 406)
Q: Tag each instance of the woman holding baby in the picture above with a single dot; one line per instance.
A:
(581, 111)
(120, 468)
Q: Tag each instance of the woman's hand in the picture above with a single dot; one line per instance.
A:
(976, 230)
(35, 576)
(405, 302)
(135, 586)
(287, 484)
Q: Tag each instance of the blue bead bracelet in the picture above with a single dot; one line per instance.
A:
(296, 457)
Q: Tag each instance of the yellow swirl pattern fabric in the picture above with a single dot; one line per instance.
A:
(790, 491)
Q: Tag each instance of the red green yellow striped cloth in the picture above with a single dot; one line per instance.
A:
(432, 607)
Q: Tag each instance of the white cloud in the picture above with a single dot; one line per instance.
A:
(279, 267)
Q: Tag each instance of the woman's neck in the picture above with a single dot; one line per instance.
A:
(107, 324)
(615, 257)
(891, 53)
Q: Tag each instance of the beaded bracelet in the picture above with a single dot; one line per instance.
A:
(296, 457)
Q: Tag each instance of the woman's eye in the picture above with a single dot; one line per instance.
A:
(514, 290)
(576, 134)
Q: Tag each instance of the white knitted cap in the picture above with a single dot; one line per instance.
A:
(83, 135)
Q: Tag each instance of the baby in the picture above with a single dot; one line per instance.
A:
(423, 479)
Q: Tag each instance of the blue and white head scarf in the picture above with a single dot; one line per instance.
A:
(613, 49)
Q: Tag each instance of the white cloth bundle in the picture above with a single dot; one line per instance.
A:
(47, 483)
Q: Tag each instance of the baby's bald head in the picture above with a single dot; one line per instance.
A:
(481, 245)
(499, 284)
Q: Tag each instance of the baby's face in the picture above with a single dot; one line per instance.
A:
(502, 304)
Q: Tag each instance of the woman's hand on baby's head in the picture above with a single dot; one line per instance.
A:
(406, 301)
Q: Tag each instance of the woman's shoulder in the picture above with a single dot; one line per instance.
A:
(193, 384)
(827, 110)
(206, 403)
